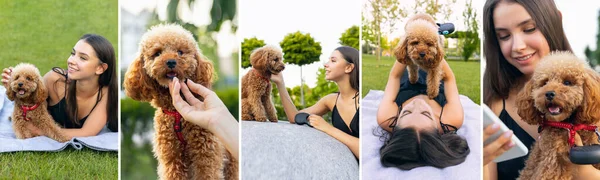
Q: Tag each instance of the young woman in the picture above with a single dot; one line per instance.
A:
(517, 35)
(421, 131)
(83, 100)
(343, 69)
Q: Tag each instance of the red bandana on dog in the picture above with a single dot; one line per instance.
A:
(570, 127)
(28, 108)
(263, 77)
(177, 126)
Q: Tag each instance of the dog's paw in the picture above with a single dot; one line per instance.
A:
(273, 119)
(261, 119)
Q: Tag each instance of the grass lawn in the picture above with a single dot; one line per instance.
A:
(467, 75)
(43, 33)
(67, 164)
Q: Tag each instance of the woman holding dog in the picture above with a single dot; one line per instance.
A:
(342, 68)
(83, 100)
(517, 35)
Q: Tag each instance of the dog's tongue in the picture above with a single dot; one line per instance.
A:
(171, 75)
(554, 109)
(21, 92)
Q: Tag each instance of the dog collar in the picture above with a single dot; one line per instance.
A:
(261, 76)
(177, 126)
(28, 108)
(570, 128)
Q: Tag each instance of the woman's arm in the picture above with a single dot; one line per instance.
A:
(453, 111)
(95, 121)
(388, 107)
(318, 108)
(350, 141)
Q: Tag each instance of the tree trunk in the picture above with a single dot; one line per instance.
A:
(302, 88)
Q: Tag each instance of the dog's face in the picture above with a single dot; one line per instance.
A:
(165, 52)
(267, 59)
(561, 86)
(26, 84)
(421, 45)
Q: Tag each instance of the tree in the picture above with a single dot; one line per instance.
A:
(597, 51)
(350, 37)
(383, 12)
(248, 46)
(300, 49)
(433, 7)
(589, 54)
(470, 44)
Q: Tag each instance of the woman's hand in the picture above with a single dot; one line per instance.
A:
(203, 114)
(6, 76)
(277, 78)
(499, 146)
(318, 122)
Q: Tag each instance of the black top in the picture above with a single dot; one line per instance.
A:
(408, 90)
(339, 123)
(510, 169)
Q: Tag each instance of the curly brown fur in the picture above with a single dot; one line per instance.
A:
(168, 51)
(422, 47)
(256, 91)
(560, 81)
(26, 88)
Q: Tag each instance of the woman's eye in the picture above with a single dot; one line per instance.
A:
(529, 30)
(503, 37)
(72, 53)
(180, 52)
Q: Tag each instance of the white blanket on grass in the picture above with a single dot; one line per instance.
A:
(105, 141)
(370, 161)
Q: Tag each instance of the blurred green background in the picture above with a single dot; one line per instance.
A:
(43, 33)
(212, 35)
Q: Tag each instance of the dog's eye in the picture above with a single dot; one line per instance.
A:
(414, 43)
(179, 52)
(276, 59)
(429, 44)
(28, 78)
(567, 82)
(156, 54)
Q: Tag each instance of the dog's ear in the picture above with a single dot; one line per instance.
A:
(205, 73)
(138, 85)
(258, 58)
(41, 93)
(400, 51)
(590, 109)
(525, 106)
(440, 53)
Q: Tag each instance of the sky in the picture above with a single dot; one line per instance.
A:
(325, 20)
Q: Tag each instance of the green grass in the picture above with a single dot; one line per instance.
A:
(375, 75)
(43, 33)
(67, 164)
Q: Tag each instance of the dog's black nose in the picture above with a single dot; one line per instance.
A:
(20, 84)
(550, 95)
(422, 54)
(171, 63)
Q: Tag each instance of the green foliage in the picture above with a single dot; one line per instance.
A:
(433, 7)
(350, 37)
(470, 43)
(221, 11)
(300, 49)
(247, 47)
(589, 54)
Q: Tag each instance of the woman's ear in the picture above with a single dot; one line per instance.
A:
(101, 68)
(349, 68)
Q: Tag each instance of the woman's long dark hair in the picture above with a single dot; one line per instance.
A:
(352, 55)
(106, 54)
(407, 148)
(500, 76)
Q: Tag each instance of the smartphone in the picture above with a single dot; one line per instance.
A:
(516, 151)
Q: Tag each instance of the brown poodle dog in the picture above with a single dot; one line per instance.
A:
(422, 47)
(184, 150)
(563, 89)
(256, 91)
(28, 91)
